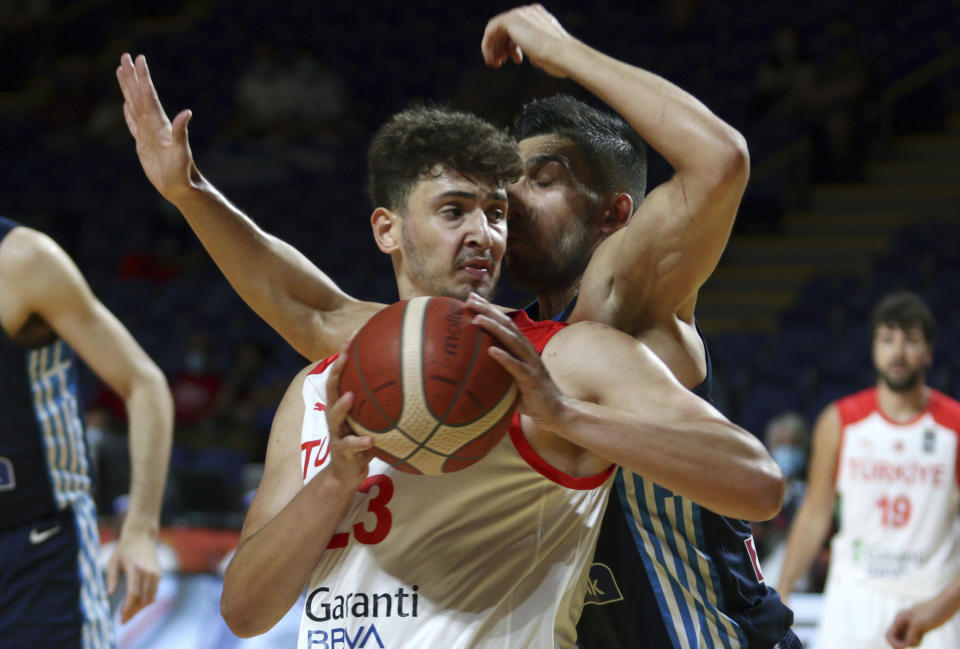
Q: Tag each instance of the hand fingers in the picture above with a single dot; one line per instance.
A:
(149, 581)
(113, 572)
(131, 603)
(128, 118)
(895, 634)
(141, 592)
(337, 415)
(126, 76)
(333, 380)
(357, 443)
(496, 43)
(180, 126)
(913, 636)
(147, 92)
(501, 327)
(516, 368)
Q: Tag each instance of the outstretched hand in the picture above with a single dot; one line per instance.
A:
(350, 453)
(540, 398)
(162, 146)
(532, 30)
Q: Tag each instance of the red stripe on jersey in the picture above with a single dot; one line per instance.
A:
(549, 471)
(324, 364)
(857, 406)
(540, 333)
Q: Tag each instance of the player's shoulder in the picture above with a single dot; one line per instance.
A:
(945, 410)
(857, 406)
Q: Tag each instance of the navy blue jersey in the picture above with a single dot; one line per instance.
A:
(45, 475)
(669, 574)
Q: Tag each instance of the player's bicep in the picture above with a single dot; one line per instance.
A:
(668, 250)
(282, 478)
(620, 372)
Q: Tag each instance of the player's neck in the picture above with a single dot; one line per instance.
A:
(552, 303)
(902, 406)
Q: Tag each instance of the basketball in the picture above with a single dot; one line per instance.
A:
(425, 387)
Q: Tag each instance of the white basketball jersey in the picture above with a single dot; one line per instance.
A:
(899, 527)
(493, 556)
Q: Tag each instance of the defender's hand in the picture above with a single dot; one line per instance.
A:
(532, 30)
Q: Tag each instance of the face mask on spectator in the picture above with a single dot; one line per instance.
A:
(790, 459)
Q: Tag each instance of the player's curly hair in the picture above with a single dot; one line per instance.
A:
(413, 142)
(902, 310)
(615, 154)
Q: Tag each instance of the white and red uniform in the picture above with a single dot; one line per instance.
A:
(899, 535)
(493, 556)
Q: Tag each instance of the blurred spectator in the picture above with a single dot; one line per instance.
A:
(196, 386)
(836, 105)
(784, 81)
(284, 98)
(247, 399)
(787, 439)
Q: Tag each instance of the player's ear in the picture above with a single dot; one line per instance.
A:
(386, 229)
(617, 213)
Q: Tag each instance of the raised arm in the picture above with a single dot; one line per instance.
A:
(43, 281)
(289, 525)
(811, 524)
(654, 267)
(613, 398)
(278, 282)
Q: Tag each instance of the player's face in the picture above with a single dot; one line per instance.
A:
(454, 235)
(551, 209)
(900, 356)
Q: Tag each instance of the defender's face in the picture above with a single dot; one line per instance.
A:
(453, 235)
(901, 356)
(551, 206)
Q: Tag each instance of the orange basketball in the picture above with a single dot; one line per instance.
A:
(425, 387)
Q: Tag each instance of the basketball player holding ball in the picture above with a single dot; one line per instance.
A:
(672, 245)
(495, 554)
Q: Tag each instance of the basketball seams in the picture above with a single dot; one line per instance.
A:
(423, 334)
(355, 359)
(461, 389)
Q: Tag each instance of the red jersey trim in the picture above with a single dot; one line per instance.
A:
(324, 364)
(857, 406)
(945, 411)
(538, 332)
(549, 471)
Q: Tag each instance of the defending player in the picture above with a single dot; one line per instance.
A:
(53, 593)
(890, 454)
(494, 555)
(637, 263)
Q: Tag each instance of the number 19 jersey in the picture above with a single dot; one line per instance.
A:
(898, 486)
